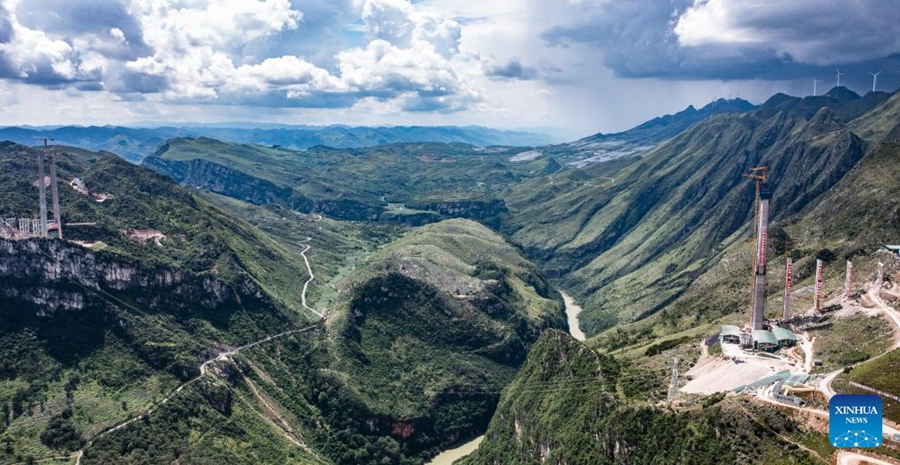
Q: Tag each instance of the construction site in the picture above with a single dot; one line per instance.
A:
(18, 228)
(775, 360)
(27, 228)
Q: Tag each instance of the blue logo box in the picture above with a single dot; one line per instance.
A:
(854, 420)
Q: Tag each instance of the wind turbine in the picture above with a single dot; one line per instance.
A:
(874, 79)
(839, 74)
(815, 85)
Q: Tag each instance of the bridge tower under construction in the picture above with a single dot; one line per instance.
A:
(758, 315)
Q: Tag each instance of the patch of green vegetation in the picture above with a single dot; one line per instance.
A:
(433, 181)
(62, 433)
(206, 423)
(336, 247)
(880, 374)
(666, 345)
(646, 378)
(561, 408)
(850, 340)
(683, 203)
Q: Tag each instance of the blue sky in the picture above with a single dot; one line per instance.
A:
(578, 66)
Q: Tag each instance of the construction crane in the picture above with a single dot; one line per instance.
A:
(760, 174)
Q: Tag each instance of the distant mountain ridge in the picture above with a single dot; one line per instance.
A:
(667, 126)
(135, 143)
(602, 147)
(846, 104)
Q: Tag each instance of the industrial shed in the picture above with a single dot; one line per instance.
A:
(784, 337)
(764, 340)
(731, 334)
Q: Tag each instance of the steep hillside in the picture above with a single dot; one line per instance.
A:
(446, 314)
(419, 343)
(665, 127)
(97, 330)
(197, 237)
(629, 247)
(405, 183)
(875, 125)
(563, 408)
(850, 221)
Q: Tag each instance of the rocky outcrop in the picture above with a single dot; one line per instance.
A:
(233, 183)
(56, 276)
(240, 185)
(220, 179)
(484, 211)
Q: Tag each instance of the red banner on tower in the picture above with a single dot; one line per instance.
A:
(788, 282)
(818, 282)
(761, 265)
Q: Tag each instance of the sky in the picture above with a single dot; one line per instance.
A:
(571, 67)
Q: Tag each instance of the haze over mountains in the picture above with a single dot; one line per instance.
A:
(134, 143)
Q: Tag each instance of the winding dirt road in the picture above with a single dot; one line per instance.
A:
(204, 367)
(309, 280)
(204, 370)
(853, 458)
(825, 383)
(824, 386)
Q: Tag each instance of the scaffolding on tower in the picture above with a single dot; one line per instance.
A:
(818, 295)
(788, 282)
(760, 231)
(43, 157)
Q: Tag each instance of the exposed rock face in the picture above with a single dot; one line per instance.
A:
(233, 183)
(467, 209)
(56, 276)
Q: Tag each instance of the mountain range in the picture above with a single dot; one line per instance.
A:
(134, 143)
(228, 302)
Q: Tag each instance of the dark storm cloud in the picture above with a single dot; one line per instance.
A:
(733, 39)
(512, 70)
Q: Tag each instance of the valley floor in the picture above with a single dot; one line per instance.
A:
(451, 455)
(572, 312)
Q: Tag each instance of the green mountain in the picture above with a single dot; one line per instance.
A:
(418, 344)
(845, 103)
(95, 333)
(628, 246)
(563, 407)
(135, 143)
(405, 183)
(852, 220)
(203, 328)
